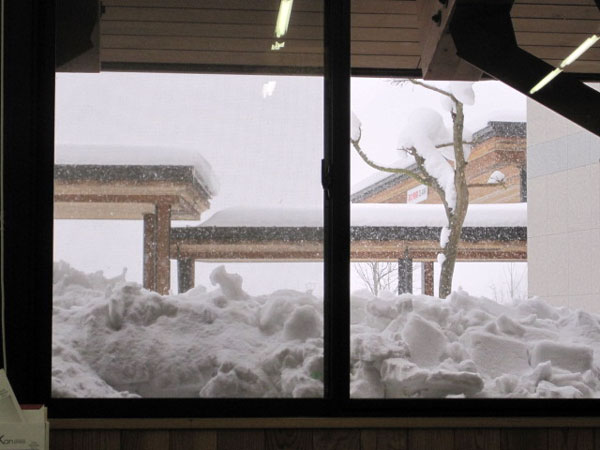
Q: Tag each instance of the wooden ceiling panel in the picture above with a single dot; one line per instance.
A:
(560, 53)
(205, 44)
(558, 40)
(297, 60)
(562, 12)
(555, 25)
(552, 29)
(385, 33)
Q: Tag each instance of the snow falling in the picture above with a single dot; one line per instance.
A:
(112, 338)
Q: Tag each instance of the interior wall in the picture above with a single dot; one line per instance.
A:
(563, 232)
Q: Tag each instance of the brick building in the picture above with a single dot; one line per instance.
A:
(500, 146)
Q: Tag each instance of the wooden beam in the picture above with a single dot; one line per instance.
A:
(439, 60)
(405, 266)
(149, 263)
(427, 282)
(185, 274)
(78, 36)
(360, 251)
(163, 264)
(115, 198)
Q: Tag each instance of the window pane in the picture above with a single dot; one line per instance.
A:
(188, 210)
(520, 320)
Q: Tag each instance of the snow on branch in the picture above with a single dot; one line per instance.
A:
(496, 177)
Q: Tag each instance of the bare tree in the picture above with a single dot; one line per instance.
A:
(454, 192)
(512, 286)
(377, 276)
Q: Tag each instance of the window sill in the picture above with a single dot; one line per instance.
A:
(316, 422)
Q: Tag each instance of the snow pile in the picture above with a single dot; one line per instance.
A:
(114, 339)
(473, 347)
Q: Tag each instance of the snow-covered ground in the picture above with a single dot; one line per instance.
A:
(112, 338)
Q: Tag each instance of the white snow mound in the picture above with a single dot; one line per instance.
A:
(112, 338)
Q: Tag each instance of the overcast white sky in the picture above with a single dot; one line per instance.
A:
(264, 150)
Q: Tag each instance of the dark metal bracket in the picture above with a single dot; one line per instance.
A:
(484, 37)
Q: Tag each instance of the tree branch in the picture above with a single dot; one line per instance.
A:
(450, 144)
(432, 182)
(487, 185)
(374, 165)
(428, 86)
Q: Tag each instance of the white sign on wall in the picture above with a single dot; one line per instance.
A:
(417, 194)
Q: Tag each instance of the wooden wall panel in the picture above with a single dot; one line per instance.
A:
(289, 440)
(96, 440)
(192, 440)
(61, 440)
(336, 440)
(428, 439)
(524, 439)
(555, 438)
(571, 439)
(477, 439)
(246, 439)
(384, 440)
(145, 440)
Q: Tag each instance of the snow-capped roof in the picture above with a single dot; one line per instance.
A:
(120, 155)
(376, 181)
(372, 214)
(402, 163)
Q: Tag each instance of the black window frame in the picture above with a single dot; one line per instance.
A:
(28, 140)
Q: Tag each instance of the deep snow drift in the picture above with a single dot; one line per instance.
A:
(114, 339)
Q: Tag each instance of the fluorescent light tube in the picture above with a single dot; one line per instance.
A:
(544, 81)
(579, 51)
(585, 45)
(283, 18)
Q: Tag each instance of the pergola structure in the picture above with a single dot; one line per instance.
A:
(379, 232)
(154, 194)
(369, 243)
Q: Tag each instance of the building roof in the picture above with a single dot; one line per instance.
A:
(381, 181)
(501, 129)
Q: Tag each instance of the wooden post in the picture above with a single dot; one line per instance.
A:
(185, 274)
(405, 275)
(150, 251)
(427, 277)
(163, 264)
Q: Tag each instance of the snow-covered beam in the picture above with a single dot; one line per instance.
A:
(368, 243)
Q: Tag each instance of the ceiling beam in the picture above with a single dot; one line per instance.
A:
(439, 60)
(484, 36)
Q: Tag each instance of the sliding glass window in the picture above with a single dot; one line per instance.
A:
(188, 231)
